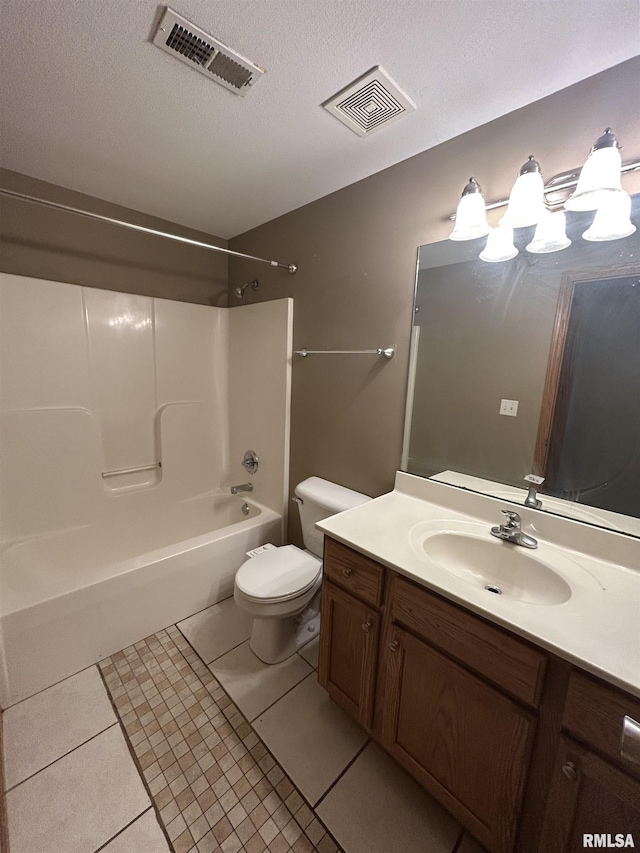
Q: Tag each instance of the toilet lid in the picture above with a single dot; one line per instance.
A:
(278, 573)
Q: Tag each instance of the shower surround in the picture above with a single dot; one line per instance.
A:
(123, 423)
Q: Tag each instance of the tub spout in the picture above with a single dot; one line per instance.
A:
(243, 487)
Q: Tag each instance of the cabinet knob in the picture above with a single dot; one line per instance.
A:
(347, 573)
(393, 645)
(569, 770)
(366, 627)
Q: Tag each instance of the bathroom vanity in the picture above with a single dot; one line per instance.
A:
(519, 712)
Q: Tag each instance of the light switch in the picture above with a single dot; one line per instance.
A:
(509, 407)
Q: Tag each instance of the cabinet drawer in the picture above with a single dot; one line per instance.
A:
(354, 572)
(495, 654)
(595, 713)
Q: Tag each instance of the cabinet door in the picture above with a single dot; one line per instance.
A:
(349, 632)
(466, 742)
(591, 803)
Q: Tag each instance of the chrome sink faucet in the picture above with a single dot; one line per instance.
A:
(243, 487)
(511, 531)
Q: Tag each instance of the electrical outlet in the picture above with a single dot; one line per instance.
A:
(509, 407)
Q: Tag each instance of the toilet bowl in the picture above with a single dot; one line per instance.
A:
(280, 588)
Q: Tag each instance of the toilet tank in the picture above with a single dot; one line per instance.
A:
(319, 499)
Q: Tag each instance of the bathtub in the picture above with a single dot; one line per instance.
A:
(75, 596)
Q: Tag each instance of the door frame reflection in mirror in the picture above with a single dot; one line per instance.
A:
(554, 409)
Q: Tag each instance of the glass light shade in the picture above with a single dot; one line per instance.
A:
(599, 178)
(551, 234)
(526, 202)
(612, 220)
(499, 245)
(471, 218)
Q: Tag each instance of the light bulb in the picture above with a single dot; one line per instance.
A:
(600, 175)
(471, 216)
(612, 220)
(526, 202)
(499, 245)
(551, 234)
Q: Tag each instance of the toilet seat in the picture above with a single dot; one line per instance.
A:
(278, 575)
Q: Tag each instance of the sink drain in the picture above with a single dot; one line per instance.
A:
(495, 589)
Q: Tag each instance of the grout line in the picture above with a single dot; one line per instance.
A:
(213, 660)
(113, 837)
(299, 652)
(136, 762)
(342, 773)
(217, 657)
(64, 755)
(286, 693)
(55, 684)
(190, 616)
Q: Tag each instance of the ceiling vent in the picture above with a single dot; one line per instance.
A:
(371, 102)
(199, 50)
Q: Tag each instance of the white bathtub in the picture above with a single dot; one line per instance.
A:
(70, 598)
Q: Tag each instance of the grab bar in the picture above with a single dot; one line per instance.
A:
(132, 470)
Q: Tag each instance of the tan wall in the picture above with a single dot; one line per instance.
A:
(356, 250)
(44, 243)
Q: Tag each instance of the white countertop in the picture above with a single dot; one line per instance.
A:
(597, 628)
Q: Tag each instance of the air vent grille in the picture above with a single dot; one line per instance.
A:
(211, 57)
(191, 47)
(371, 102)
(234, 73)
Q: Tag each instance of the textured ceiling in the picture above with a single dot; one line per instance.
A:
(87, 102)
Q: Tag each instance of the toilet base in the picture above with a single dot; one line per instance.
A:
(275, 640)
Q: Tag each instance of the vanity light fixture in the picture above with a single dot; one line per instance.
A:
(600, 175)
(597, 186)
(526, 202)
(471, 215)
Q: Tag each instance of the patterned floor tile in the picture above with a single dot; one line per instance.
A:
(214, 784)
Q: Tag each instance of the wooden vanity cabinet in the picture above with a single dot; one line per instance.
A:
(466, 742)
(446, 716)
(521, 747)
(352, 592)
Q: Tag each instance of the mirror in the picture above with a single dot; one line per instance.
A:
(531, 366)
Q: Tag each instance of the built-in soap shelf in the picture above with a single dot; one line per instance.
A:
(133, 479)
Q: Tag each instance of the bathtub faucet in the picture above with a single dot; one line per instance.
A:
(243, 487)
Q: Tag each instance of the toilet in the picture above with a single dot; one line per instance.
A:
(280, 588)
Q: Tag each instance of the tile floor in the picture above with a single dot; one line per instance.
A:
(235, 756)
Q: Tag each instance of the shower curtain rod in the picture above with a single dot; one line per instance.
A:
(291, 268)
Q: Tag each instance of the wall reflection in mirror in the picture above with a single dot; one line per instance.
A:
(553, 342)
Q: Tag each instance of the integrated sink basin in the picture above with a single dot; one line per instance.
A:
(498, 567)
(467, 551)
